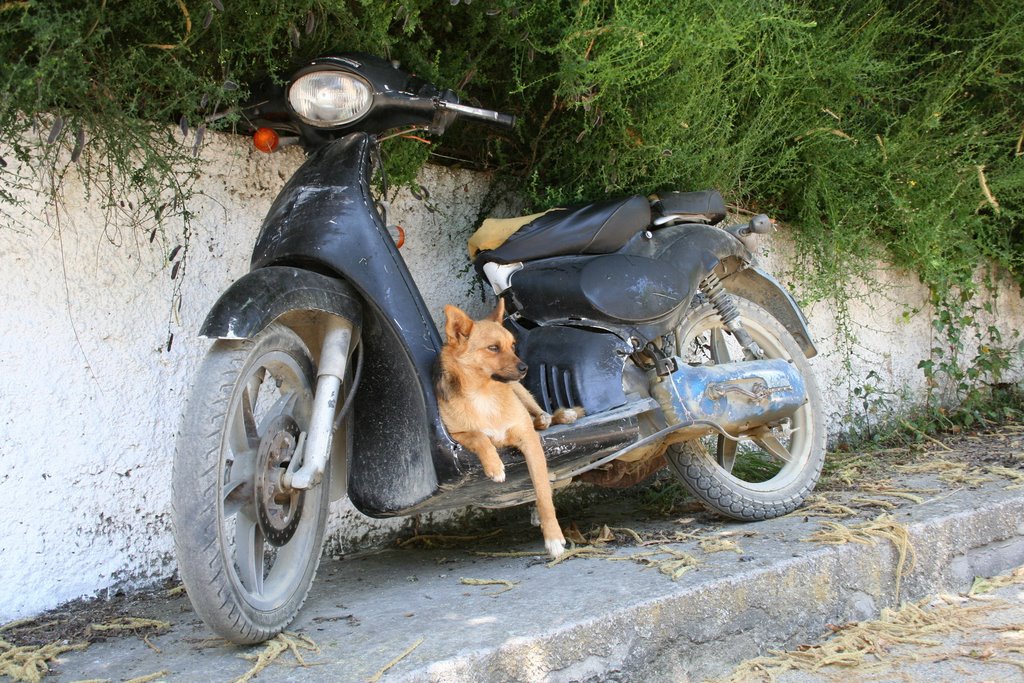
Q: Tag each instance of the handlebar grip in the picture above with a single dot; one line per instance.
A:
(507, 121)
(761, 224)
(496, 118)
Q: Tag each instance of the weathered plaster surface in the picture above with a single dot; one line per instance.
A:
(94, 383)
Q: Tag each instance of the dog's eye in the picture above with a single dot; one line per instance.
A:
(494, 348)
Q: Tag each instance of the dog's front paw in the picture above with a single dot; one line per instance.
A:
(495, 474)
(555, 547)
(542, 421)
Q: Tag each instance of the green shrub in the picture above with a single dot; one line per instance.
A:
(877, 129)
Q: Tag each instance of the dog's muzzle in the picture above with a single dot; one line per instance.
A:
(521, 369)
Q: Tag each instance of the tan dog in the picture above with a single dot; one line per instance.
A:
(484, 407)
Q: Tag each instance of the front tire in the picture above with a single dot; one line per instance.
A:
(247, 548)
(756, 478)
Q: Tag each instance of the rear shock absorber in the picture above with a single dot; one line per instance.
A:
(711, 287)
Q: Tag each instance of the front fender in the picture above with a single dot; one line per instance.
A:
(261, 296)
(758, 286)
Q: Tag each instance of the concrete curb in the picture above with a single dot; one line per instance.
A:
(592, 619)
(705, 628)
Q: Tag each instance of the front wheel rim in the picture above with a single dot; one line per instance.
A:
(272, 397)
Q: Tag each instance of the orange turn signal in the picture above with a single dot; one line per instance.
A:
(397, 234)
(266, 139)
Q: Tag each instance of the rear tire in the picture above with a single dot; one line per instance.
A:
(247, 549)
(748, 481)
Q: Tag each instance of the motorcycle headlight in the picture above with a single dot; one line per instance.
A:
(326, 99)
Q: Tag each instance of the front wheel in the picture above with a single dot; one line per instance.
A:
(247, 547)
(766, 474)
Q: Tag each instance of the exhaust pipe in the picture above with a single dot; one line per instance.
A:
(730, 399)
(733, 397)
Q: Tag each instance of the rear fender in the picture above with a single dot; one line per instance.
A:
(758, 286)
(696, 250)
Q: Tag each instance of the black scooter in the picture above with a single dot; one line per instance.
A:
(319, 384)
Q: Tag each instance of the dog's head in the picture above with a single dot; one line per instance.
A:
(483, 347)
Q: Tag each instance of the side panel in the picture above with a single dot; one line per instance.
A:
(572, 367)
(640, 289)
(611, 288)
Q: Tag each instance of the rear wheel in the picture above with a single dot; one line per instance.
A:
(248, 547)
(763, 475)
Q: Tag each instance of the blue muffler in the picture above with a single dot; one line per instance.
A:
(736, 398)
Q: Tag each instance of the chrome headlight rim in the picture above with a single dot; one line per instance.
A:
(314, 70)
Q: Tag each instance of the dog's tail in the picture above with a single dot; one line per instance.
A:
(564, 416)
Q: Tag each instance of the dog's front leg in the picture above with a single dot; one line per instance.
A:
(541, 419)
(485, 450)
(528, 441)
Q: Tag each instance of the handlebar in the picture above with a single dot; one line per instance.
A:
(496, 118)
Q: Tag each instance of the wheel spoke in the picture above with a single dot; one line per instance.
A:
(238, 491)
(772, 445)
(727, 453)
(285, 405)
(248, 408)
(719, 349)
(242, 432)
(249, 554)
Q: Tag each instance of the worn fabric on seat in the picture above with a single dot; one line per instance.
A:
(598, 228)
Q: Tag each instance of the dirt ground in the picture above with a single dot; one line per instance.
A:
(854, 485)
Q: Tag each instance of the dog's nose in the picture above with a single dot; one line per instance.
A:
(522, 367)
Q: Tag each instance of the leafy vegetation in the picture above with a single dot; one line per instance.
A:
(884, 128)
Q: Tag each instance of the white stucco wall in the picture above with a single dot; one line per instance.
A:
(91, 394)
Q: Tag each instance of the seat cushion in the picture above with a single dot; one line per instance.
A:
(705, 206)
(598, 228)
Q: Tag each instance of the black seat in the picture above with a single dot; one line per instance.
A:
(599, 228)
(704, 206)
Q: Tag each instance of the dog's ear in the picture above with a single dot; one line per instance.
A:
(498, 314)
(458, 325)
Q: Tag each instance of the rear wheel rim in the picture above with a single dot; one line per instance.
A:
(705, 340)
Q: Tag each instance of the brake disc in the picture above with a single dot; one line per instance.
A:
(278, 510)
